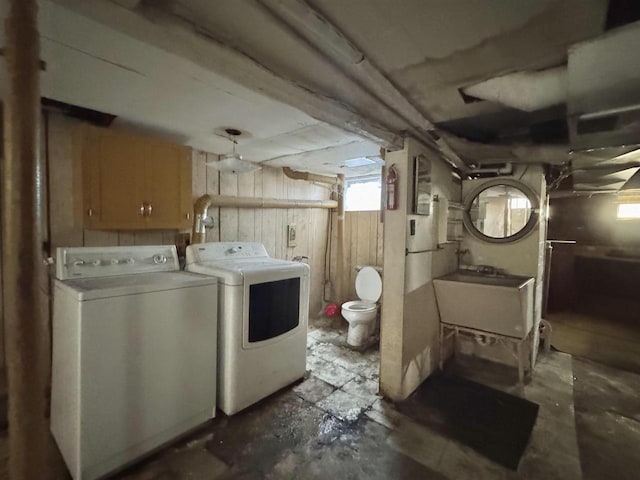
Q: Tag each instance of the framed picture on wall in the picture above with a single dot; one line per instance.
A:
(422, 185)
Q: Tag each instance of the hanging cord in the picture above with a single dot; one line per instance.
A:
(564, 173)
(327, 251)
(524, 172)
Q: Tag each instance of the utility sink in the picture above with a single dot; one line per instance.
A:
(494, 303)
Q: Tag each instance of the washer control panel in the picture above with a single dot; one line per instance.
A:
(86, 262)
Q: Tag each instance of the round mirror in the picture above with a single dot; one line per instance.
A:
(501, 211)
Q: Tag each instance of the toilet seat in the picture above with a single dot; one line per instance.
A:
(368, 285)
(361, 314)
(368, 288)
(359, 306)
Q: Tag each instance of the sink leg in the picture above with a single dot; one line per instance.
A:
(520, 365)
(441, 362)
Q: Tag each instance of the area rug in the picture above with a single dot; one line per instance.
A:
(495, 424)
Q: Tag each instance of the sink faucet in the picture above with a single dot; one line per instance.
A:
(486, 269)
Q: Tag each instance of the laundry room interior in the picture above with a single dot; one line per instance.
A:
(309, 239)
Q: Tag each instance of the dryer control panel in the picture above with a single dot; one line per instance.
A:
(208, 252)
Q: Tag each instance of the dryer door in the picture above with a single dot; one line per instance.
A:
(274, 309)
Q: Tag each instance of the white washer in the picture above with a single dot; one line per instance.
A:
(134, 354)
(263, 313)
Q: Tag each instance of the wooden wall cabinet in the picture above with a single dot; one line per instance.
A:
(132, 182)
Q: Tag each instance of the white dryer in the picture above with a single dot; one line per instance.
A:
(134, 354)
(263, 313)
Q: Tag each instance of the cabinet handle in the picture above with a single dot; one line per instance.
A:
(90, 212)
(145, 209)
(188, 215)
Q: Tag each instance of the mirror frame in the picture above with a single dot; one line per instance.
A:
(524, 231)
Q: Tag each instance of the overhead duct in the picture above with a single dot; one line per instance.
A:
(528, 91)
(310, 177)
(604, 90)
(491, 171)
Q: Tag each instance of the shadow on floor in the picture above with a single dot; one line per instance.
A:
(333, 424)
(599, 328)
(494, 423)
(607, 410)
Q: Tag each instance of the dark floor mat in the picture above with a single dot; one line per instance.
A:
(494, 423)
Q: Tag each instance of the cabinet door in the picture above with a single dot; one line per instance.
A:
(168, 184)
(114, 164)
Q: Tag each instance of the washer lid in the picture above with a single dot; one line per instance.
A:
(368, 284)
(132, 284)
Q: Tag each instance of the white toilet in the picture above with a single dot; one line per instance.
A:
(361, 314)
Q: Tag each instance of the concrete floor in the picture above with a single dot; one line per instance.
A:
(334, 425)
(607, 407)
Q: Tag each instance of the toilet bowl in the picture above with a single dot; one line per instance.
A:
(362, 314)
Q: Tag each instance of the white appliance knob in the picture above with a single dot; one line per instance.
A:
(114, 261)
(78, 263)
(96, 263)
(130, 261)
(236, 249)
(159, 259)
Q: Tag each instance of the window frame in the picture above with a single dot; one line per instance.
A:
(529, 227)
(369, 178)
(627, 219)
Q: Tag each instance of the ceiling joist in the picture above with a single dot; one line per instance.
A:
(181, 38)
(315, 28)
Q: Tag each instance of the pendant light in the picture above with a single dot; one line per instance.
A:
(233, 162)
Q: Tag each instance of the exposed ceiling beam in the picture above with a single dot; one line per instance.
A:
(179, 37)
(313, 26)
(318, 30)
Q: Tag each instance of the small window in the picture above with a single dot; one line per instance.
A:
(519, 202)
(363, 194)
(629, 211)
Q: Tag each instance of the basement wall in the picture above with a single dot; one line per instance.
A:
(522, 257)
(603, 261)
(363, 242)
(410, 322)
(592, 221)
(268, 226)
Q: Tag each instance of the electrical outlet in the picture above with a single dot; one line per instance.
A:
(291, 235)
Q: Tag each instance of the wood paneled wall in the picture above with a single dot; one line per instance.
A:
(363, 233)
(268, 226)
